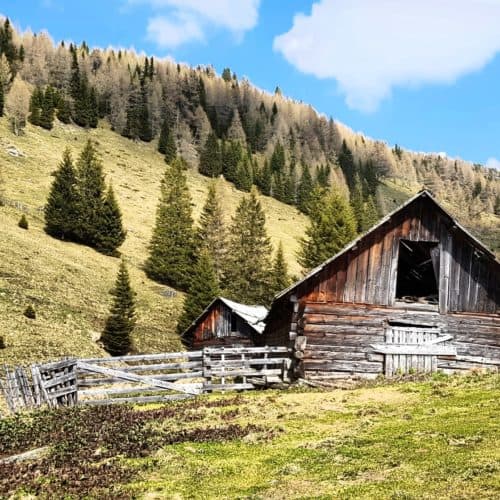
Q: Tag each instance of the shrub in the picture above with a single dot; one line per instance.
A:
(2, 343)
(23, 222)
(30, 312)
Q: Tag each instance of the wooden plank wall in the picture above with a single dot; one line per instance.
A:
(339, 339)
(367, 274)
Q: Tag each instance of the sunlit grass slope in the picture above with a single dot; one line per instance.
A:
(68, 284)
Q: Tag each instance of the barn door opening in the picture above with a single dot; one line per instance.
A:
(418, 272)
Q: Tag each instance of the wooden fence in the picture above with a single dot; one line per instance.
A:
(144, 378)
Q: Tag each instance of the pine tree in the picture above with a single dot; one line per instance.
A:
(46, 119)
(244, 178)
(110, 233)
(145, 129)
(249, 254)
(231, 156)
(211, 234)
(332, 226)
(172, 247)
(290, 186)
(120, 323)
(61, 209)
(304, 190)
(36, 103)
(75, 74)
(91, 189)
(203, 289)
(210, 158)
(279, 272)
(357, 203)
(171, 148)
(346, 162)
(267, 179)
(278, 159)
(162, 140)
(63, 112)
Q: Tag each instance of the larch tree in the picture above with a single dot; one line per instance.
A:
(116, 337)
(61, 210)
(172, 246)
(249, 254)
(332, 227)
(17, 104)
(203, 289)
(212, 234)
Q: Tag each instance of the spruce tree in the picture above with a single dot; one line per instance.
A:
(304, 190)
(120, 323)
(110, 233)
(357, 203)
(162, 140)
(91, 190)
(171, 148)
(370, 214)
(63, 112)
(203, 289)
(231, 156)
(61, 212)
(346, 162)
(244, 178)
(249, 254)
(46, 119)
(267, 179)
(36, 103)
(332, 227)
(210, 158)
(211, 234)
(279, 273)
(172, 247)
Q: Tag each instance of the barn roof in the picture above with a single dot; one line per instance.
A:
(422, 194)
(253, 315)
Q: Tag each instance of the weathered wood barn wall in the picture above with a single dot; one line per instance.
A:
(225, 322)
(342, 316)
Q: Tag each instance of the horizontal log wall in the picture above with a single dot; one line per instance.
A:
(339, 339)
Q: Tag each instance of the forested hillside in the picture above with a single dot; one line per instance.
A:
(224, 125)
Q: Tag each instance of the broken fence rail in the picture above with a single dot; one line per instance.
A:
(144, 378)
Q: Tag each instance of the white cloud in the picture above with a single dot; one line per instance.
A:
(181, 21)
(493, 163)
(370, 47)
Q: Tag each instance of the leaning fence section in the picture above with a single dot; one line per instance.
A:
(144, 378)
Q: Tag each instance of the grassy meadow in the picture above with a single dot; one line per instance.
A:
(429, 438)
(68, 284)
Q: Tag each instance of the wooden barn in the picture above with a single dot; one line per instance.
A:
(225, 322)
(415, 293)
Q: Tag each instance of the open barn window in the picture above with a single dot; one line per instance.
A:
(418, 272)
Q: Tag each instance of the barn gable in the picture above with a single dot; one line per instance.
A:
(225, 322)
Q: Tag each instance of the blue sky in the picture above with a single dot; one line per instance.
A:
(425, 75)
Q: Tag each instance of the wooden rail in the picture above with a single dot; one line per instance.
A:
(145, 378)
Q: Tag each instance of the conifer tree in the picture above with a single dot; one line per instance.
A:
(267, 179)
(172, 247)
(61, 213)
(346, 163)
(63, 112)
(47, 109)
(91, 189)
(278, 159)
(290, 186)
(332, 227)
(249, 254)
(244, 178)
(162, 140)
(304, 190)
(203, 289)
(357, 203)
(210, 158)
(211, 234)
(231, 156)
(36, 103)
(110, 233)
(171, 148)
(370, 214)
(120, 323)
(279, 273)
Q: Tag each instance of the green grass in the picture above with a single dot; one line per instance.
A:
(68, 284)
(434, 438)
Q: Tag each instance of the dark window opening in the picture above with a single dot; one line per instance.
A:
(234, 323)
(418, 272)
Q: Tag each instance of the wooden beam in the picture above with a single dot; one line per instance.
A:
(416, 349)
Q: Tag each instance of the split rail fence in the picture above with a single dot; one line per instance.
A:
(144, 378)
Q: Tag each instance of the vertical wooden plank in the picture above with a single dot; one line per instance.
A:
(444, 268)
(374, 264)
(389, 364)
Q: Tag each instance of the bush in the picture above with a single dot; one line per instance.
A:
(2, 343)
(23, 222)
(30, 312)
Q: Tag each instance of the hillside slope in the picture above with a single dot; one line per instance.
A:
(68, 284)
